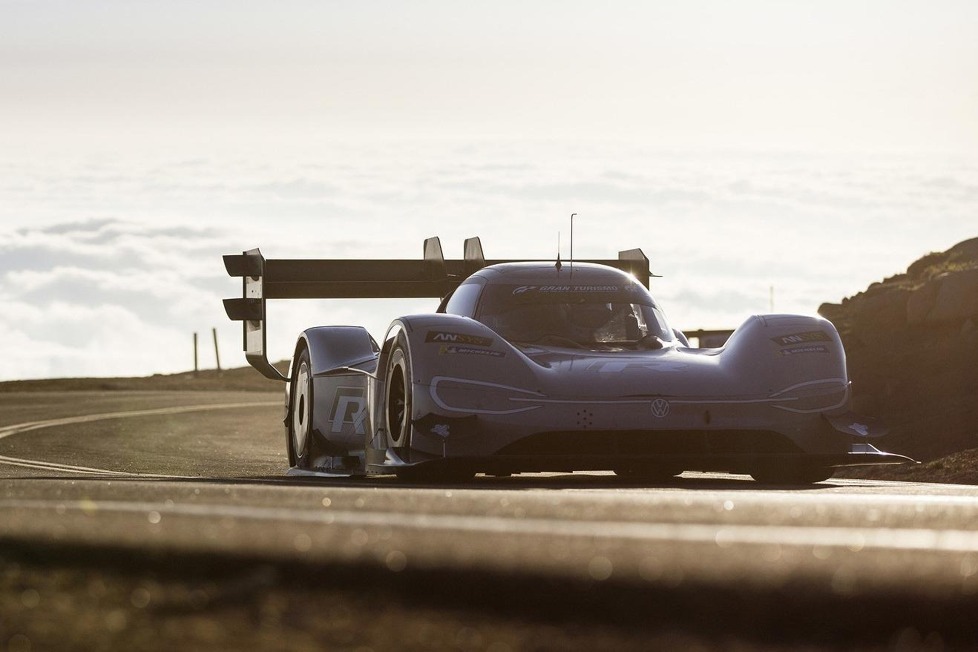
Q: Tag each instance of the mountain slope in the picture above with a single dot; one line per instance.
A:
(912, 351)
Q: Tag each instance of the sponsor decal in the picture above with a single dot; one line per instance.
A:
(817, 348)
(802, 338)
(568, 289)
(443, 430)
(349, 408)
(660, 408)
(452, 349)
(442, 337)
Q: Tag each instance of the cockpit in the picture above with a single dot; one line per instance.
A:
(603, 313)
(579, 316)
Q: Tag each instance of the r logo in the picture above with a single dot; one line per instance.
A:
(349, 407)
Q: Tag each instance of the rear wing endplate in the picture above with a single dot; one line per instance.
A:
(430, 277)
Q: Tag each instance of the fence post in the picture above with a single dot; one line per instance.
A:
(217, 354)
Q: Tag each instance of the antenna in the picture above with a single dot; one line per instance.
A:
(572, 240)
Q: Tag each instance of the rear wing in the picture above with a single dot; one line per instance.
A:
(430, 277)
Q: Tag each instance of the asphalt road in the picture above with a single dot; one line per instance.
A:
(157, 520)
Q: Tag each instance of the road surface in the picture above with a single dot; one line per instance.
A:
(156, 520)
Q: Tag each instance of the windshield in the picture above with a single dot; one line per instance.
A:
(592, 316)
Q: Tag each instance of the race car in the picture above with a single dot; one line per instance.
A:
(546, 366)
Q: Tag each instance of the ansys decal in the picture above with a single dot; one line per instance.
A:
(442, 337)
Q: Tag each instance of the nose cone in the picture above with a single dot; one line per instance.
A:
(668, 372)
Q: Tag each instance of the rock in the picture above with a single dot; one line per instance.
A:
(832, 311)
(912, 352)
(964, 251)
(969, 335)
(919, 269)
(882, 310)
(921, 302)
(957, 299)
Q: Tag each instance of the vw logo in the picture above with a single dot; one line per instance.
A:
(660, 408)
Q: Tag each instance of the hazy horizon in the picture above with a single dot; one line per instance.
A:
(814, 149)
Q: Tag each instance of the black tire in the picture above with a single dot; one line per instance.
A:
(791, 472)
(301, 411)
(397, 420)
(397, 396)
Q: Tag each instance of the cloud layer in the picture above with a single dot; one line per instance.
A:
(108, 268)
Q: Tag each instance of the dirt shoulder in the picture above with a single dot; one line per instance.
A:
(229, 380)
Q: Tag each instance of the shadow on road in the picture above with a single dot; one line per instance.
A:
(59, 596)
(555, 482)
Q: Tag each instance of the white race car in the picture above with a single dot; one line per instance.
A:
(547, 366)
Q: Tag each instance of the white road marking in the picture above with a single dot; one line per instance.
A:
(858, 538)
(84, 470)
(54, 466)
(7, 431)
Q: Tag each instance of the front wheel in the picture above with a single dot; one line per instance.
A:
(398, 420)
(301, 408)
(397, 397)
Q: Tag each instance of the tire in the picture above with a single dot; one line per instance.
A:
(397, 420)
(397, 396)
(791, 472)
(301, 412)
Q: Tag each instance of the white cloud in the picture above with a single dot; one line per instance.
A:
(61, 339)
(722, 229)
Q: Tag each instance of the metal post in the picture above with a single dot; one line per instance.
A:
(217, 354)
(196, 369)
(572, 241)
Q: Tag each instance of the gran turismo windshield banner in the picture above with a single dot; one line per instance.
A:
(521, 294)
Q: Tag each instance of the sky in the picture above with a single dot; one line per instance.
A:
(812, 148)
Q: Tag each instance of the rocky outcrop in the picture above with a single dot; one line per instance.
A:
(912, 348)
